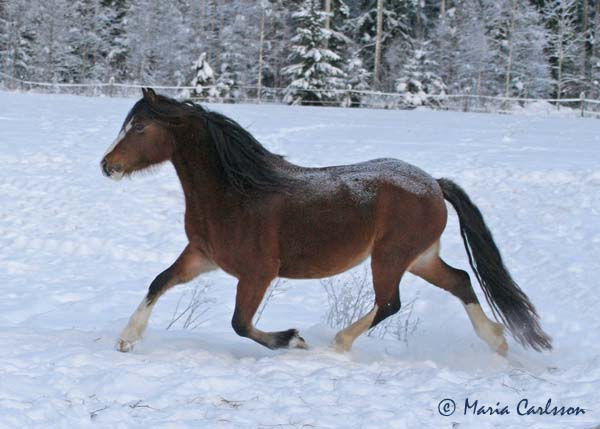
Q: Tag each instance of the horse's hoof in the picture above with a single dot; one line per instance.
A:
(502, 349)
(297, 342)
(124, 346)
(339, 348)
(340, 344)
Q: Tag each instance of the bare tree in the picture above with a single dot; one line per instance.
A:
(328, 12)
(377, 67)
(260, 52)
(509, 62)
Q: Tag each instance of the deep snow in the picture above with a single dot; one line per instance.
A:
(77, 252)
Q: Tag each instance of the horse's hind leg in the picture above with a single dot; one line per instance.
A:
(344, 339)
(250, 292)
(387, 268)
(189, 265)
(432, 268)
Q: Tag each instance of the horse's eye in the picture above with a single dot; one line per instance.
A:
(139, 127)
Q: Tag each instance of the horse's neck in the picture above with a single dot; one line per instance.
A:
(197, 169)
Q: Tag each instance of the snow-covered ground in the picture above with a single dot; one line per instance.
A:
(77, 252)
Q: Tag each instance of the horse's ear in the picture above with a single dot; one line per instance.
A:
(149, 94)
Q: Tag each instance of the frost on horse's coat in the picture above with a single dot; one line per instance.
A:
(390, 171)
(257, 217)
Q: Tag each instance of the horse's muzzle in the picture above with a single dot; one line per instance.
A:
(114, 171)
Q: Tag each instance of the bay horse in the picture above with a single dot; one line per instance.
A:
(257, 216)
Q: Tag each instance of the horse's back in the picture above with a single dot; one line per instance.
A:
(364, 179)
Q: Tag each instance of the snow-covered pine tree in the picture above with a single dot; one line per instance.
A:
(155, 42)
(395, 30)
(564, 46)
(238, 57)
(531, 74)
(16, 37)
(445, 45)
(357, 79)
(475, 68)
(116, 57)
(316, 74)
(518, 40)
(226, 88)
(594, 83)
(419, 83)
(204, 81)
(278, 31)
(492, 48)
(89, 39)
(461, 47)
(50, 50)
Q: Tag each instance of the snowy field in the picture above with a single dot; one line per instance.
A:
(77, 252)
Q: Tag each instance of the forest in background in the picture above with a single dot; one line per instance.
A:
(310, 51)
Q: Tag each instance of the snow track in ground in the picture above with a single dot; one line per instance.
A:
(77, 252)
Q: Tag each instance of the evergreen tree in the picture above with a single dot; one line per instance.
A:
(315, 72)
(492, 48)
(16, 36)
(50, 50)
(419, 83)
(89, 38)
(395, 31)
(278, 32)
(565, 46)
(116, 57)
(239, 58)
(518, 41)
(594, 82)
(155, 42)
(357, 79)
(226, 88)
(204, 80)
(461, 48)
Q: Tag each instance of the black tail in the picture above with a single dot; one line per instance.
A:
(508, 302)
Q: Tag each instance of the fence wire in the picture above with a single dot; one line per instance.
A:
(344, 97)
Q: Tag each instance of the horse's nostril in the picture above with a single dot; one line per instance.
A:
(103, 165)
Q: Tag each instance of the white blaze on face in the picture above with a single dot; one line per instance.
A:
(120, 137)
(118, 175)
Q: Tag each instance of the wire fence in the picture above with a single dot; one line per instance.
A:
(581, 106)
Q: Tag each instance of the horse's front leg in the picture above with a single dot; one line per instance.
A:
(249, 294)
(190, 264)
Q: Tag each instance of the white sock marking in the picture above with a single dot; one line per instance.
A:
(137, 323)
(484, 327)
(344, 339)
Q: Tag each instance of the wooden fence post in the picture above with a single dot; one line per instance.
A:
(111, 83)
(582, 102)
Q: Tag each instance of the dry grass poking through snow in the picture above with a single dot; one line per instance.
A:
(351, 296)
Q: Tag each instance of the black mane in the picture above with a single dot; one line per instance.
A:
(245, 164)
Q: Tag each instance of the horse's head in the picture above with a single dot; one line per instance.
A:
(142, 142)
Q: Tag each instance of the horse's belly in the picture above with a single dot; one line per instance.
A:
(323, 254)
(316, 268)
